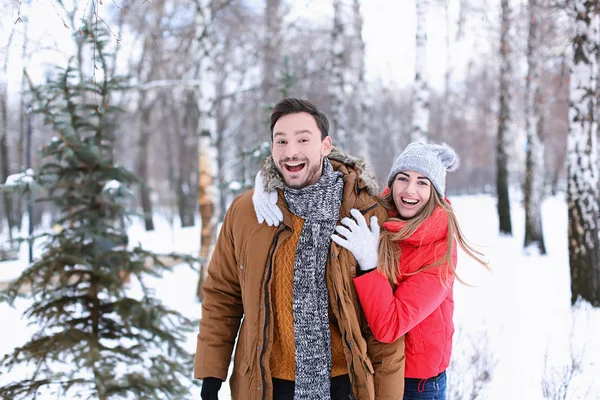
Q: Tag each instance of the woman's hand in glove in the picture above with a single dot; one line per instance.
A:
(361, 240)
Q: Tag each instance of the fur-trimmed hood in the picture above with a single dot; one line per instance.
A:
(272, 179)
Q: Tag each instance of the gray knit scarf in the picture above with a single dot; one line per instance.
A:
(319, 206)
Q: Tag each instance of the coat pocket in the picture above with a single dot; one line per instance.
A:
(243, 367)
(240, 380)
(367, 364)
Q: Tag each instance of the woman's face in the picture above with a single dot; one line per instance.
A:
(411, 191)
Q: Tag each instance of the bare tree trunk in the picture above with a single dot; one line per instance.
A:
(555, 182)
(4, 165)
(336, 89)
(420, 99)
(272, 52)
(207, 193)
(504, 124)
(361, 94)
(142, 166)
(582, 157)
(446, 107)
(206, 202)
(488, 128)
(534, 166)
(22, 116)
(153, 44)
(221, 120)
(171, 110)
(188, 163)
(4, 153)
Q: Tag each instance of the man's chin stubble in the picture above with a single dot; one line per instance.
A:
(312, 178)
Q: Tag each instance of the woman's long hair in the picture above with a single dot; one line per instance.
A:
(390, 252)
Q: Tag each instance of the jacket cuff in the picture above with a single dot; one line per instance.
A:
(360, 272)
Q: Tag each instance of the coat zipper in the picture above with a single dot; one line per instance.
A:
(351, 371)
(270, 265)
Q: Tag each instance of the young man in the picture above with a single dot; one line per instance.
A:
(302, 335)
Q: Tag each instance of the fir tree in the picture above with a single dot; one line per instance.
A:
(95, 339)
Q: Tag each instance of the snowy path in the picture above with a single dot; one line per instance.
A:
(518, 314)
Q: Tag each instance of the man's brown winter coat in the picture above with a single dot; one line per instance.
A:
(238, 287)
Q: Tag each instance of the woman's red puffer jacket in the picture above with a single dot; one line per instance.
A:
(421, 305)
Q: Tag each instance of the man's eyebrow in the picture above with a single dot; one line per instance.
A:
(279, 133)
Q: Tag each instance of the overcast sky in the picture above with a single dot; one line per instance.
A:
(389, 33)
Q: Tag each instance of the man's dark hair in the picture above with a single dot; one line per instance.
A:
(292, 105)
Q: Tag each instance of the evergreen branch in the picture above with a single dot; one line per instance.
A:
(86, 323)
(26, 388)
(54, 347)
(38, 96)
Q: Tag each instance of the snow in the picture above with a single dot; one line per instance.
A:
(111, 186)
(20, 179)
(516, 322)
(235, 186)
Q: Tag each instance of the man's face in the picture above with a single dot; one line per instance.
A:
(298, 150)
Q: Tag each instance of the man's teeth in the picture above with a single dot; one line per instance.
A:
(294, 164)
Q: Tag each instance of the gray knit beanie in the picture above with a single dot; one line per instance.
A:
(431, 160)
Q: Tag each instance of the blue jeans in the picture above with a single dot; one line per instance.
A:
(425, 389)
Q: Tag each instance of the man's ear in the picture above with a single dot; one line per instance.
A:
(326, 146)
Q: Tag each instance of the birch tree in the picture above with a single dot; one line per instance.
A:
(361, 96)
(447, 105)
(187, 160)
(4, 153)
(207, 192)
(504, 120)
(420, 97)
(336, 88)
(445, 109)
(153, 52)
(582, 156)
(21, 160)
(534, 168)
(271, 55)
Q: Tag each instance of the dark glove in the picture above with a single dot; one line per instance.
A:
(210, 388)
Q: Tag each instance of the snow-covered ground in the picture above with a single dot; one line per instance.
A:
(514, 325)
(520, 316)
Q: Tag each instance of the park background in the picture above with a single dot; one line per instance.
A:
(127, 128)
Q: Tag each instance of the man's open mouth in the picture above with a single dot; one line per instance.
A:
(294, 166)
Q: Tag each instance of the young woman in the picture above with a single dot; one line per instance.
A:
(407, 273)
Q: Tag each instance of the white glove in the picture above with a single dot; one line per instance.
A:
(265, 204)
(361, 240)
